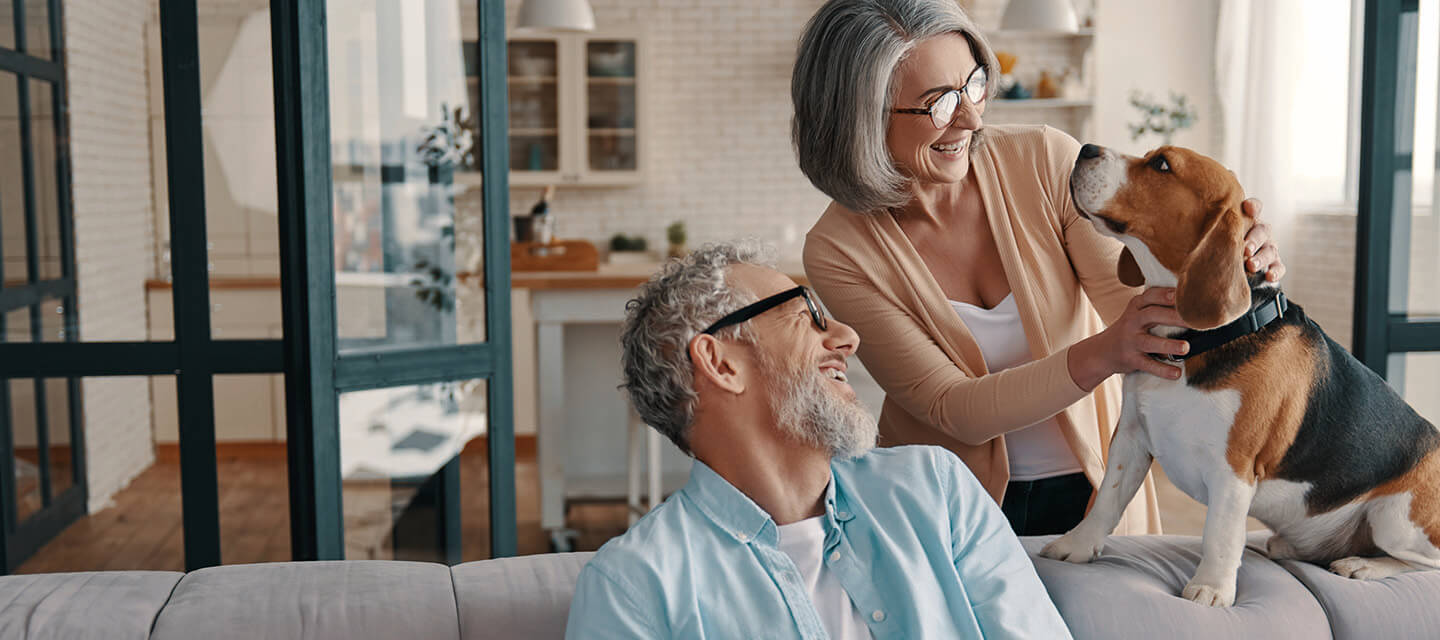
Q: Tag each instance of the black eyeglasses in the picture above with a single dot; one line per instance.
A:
(943, 110)
(765, 304)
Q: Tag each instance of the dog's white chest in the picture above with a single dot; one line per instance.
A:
(1188, 428)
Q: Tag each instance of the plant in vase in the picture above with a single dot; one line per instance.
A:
(625, 249)
(448, 144)
(1161, 119)
(675, 233)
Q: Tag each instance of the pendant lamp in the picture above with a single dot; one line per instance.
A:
(556, 15)
(1040, 15)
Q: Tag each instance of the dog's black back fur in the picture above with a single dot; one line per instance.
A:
(1357, 433)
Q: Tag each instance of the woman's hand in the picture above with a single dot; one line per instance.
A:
(1260, 253)
(1126, 345)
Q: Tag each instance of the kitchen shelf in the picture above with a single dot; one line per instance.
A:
(1044, 103)
(619, 80)
(524, 131)
(603, 131)
(524, 79)
(1012, 34)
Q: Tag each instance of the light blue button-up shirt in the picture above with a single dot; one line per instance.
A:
(919, 546)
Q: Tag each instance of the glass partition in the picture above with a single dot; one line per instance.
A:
(397, 447)
(407, 232)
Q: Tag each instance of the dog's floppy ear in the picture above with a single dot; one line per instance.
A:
(1212, 290)
(1129, 270)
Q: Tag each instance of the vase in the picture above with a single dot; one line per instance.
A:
(442, 173)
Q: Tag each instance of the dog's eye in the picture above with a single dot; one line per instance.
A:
(1159, 163)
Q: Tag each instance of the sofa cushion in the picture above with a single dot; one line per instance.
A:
(525, 597)
(1132, 590)
(114, 605)
(1403, 607)
(313, 601)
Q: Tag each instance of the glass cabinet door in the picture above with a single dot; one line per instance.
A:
(610, 105)
(533, 79)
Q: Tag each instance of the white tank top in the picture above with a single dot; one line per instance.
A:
(1039, 450)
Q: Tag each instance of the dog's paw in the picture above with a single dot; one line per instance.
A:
(1208, 594)
(1369, 568)
(1074, 547)
(1278, 548)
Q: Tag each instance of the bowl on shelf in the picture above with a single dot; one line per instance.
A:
(532, 67)
(610, 64)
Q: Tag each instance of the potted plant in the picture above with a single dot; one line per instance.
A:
(675, 233)
(626, 249)
(1161, 119)
(447, 145)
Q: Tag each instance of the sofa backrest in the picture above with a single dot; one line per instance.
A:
(527, 597)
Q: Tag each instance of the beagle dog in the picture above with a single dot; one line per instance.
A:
(1270, 418)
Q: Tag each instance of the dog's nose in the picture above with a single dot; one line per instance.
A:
(1089, 151)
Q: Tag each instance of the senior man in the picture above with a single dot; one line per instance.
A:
(791, 526)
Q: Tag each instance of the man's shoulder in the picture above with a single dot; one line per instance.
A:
(912, 466)
(652, 547)
(903, 456)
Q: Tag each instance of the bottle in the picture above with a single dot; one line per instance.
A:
(541, 224)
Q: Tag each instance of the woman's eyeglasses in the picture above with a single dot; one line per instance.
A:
(943, 110)
(765, 304)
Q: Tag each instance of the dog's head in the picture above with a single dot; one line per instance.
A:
(1179, 215)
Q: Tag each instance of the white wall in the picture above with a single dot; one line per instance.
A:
(109, 141)
(1155, 46)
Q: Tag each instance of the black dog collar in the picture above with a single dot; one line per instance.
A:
(1258, 317)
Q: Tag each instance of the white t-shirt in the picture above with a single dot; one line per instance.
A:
(804, 542)
(1039, 450)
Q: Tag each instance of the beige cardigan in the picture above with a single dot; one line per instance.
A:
(937, 388)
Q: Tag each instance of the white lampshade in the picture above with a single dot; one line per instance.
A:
(1040, 15)
(556, 15)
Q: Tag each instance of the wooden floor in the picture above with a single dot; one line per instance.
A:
(142, 529)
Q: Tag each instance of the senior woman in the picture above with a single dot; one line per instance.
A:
(989, 311)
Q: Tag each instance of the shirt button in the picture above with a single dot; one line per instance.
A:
(744, 538)
(843, 515)
(834, 556)
(878, 616)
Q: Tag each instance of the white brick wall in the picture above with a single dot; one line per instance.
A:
(110, 151)
(1321, 266)
(719, 143)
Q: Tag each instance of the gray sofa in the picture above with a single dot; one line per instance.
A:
(1128, 593)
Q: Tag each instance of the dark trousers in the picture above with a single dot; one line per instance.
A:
(1046, 506)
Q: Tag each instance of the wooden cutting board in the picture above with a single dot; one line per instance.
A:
(561, 255)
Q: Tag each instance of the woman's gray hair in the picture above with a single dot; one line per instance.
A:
(672, 308)
(843, 92)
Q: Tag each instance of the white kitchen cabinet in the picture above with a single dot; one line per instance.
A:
(577, 109)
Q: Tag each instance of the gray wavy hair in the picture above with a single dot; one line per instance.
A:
(843, 95)
(673, 307)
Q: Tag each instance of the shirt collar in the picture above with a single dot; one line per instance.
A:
(739, 516)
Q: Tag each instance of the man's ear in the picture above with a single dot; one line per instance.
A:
(1213, 290)
(715, 363)
(1129, 270)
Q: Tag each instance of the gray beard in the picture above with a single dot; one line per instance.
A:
(809, 410)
